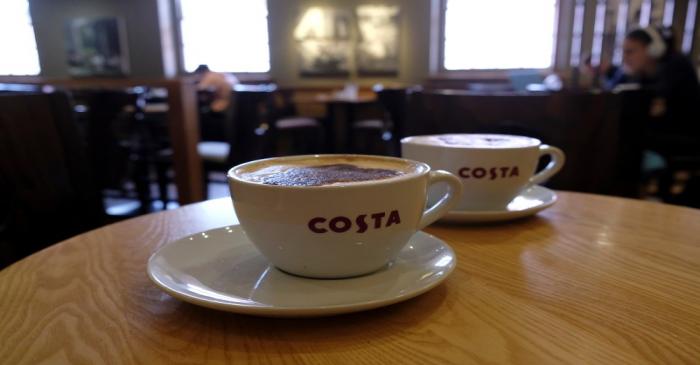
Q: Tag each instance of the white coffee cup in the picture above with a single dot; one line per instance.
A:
(341, 229)
(493, 168)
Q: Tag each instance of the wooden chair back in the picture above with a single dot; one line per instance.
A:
(48, 192)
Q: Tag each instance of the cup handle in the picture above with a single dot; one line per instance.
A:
(454, 190)
(552, 167)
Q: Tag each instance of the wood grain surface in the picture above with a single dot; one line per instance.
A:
(592, 280)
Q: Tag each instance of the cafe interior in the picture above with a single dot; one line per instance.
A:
(117, 114)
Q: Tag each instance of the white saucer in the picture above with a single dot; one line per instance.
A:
(221, 269)
(529, 202)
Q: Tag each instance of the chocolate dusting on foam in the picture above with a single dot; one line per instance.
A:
(327, 175)
(475, 141)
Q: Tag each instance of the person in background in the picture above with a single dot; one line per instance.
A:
(220, 84)
(214, 102)
(605, 75)
(673, 130)
(649, 59)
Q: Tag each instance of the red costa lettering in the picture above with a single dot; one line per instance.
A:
(393, 218)
(491, 173)
(479, 172)
(378, 219)
(313, 225)
(361, 224)
(346, 223)
(341, 224)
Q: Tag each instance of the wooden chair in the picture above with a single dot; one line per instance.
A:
(248, 134)
(372, 136)
(371, 129)
(250, 123)
(124, 146)
(393, 101)
(291, 133)
(109, 139)
(48, 191)
(218, 137)
(681, 153)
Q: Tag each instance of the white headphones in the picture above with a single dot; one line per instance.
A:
(657, 47)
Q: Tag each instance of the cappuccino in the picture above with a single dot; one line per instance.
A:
(323, 171)
(475, 141)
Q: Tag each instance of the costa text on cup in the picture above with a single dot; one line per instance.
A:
(341, 224)
(492, 173)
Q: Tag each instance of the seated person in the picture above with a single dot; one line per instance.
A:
(605, 75)
(673, 129)
(215, 104)
(220, 84)
(650, 60)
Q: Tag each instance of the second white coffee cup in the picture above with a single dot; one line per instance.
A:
(493, 168)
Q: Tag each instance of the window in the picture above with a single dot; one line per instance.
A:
(499, 34)
(689, 29)
(19, 56)
(226, 35)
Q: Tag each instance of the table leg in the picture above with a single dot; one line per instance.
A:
(340, 120)
(349, 132)
(183, 125)
(331, 129)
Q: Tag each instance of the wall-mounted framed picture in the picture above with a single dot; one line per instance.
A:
(377, 51)
(323, 40)
(335, 42)
(97, 47)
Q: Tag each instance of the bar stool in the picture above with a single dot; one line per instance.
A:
(291, 133)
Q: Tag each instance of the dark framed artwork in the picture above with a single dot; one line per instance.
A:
(97, 47)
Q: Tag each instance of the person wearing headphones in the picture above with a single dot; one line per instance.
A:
(650, 59)
(673, 129)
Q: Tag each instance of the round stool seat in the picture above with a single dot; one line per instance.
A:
(369, 124)
(297, 122)
(213, 151)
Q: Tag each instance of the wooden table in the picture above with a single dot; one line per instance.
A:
(182, 115)
(592, 280)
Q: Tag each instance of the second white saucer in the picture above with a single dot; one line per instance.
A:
(529, 202)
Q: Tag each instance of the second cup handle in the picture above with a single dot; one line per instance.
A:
(552, 167)
(454, 190)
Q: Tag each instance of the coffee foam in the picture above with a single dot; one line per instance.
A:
(268, 169)
(494, 141)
